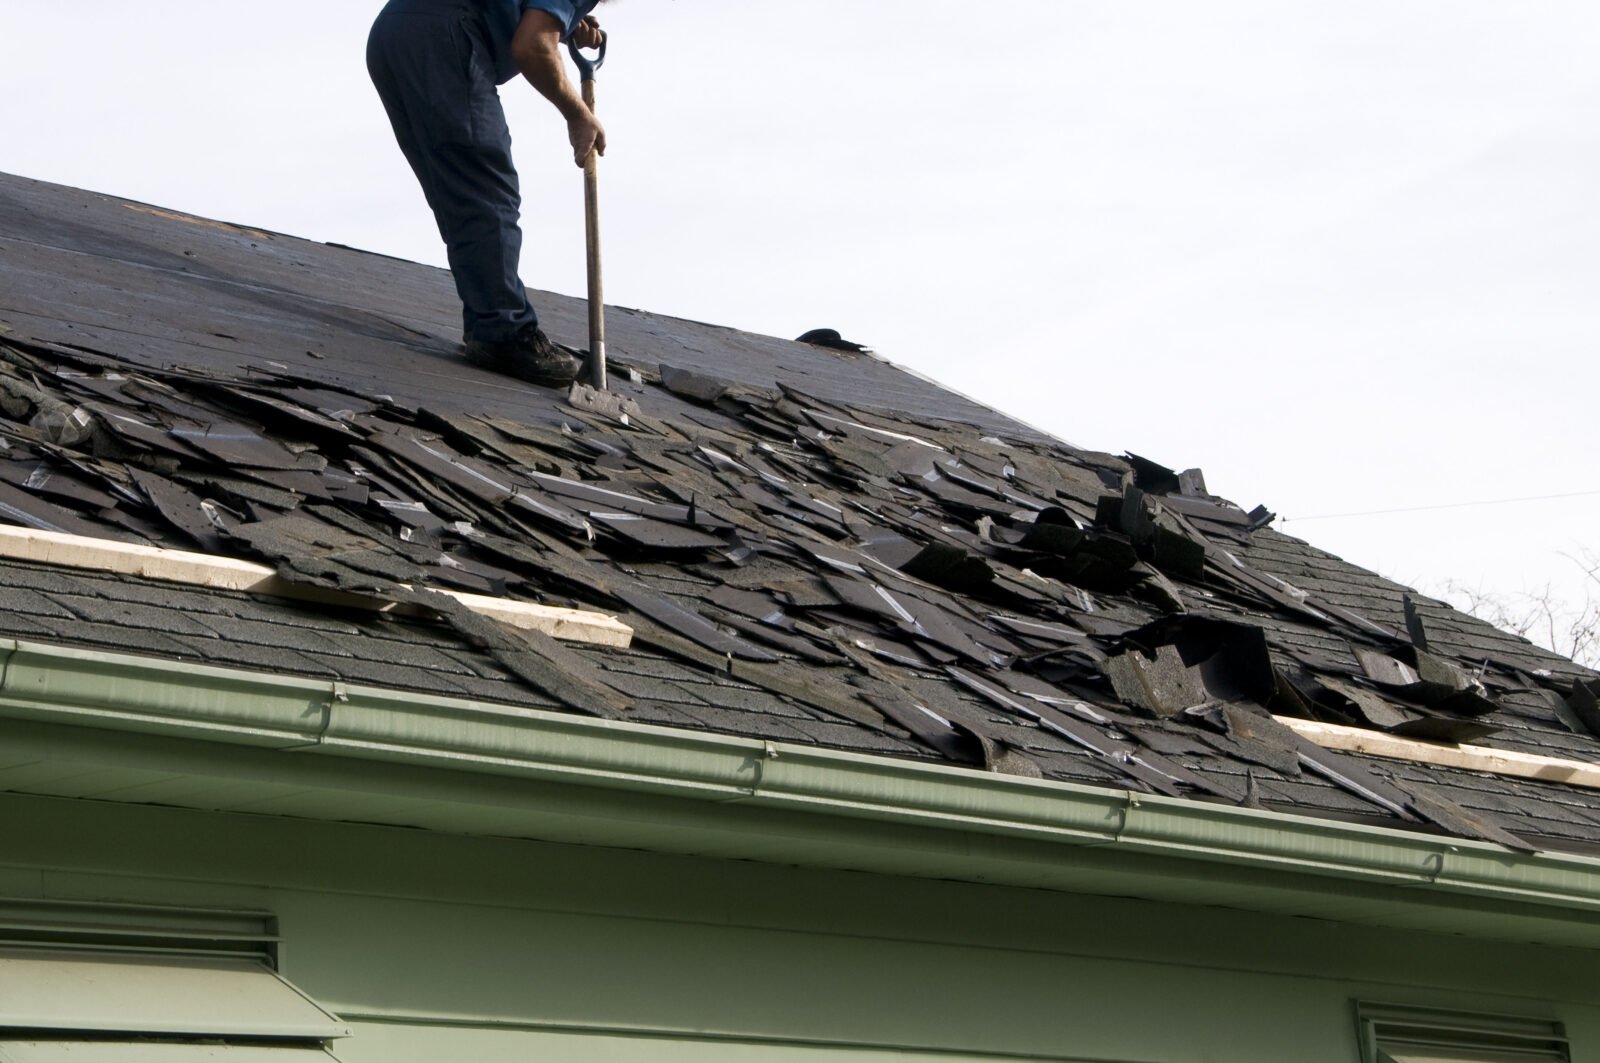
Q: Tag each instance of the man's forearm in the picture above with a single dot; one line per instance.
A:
(539, 59)
(537, 49)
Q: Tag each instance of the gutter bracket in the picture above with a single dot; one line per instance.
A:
(1125, 816)
(1433, 868)
(338, 694)
(8, 650)
(769, 752)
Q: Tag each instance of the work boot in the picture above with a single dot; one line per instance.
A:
(529, 355)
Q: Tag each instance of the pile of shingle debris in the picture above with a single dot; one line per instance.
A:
(886, 574)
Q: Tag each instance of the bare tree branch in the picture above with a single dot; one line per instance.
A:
(1570, 629)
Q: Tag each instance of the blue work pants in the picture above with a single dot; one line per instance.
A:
(431, 63)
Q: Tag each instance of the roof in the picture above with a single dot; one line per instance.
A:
(812, 545)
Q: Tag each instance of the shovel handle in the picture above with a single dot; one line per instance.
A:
(591, 202)
(597, 297)
(586, 66)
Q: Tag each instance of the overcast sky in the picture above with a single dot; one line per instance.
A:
(1342, 256)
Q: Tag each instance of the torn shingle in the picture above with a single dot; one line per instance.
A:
(697, 387)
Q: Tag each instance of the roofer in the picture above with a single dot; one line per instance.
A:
(436, 65)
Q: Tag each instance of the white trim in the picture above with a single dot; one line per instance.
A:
(230, 573)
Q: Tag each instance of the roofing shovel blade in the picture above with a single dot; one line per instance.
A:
(591, 203)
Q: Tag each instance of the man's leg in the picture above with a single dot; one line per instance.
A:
(480, 212)
(431, 69)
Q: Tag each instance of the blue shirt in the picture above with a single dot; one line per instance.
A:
(501, 17)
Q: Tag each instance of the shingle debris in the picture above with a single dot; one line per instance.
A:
(829, 337)
(908, 587)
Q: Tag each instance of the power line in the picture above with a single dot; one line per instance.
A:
(1446, 505)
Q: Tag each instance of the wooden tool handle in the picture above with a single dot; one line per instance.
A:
(597, 304)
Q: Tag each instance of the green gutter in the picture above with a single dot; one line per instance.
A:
(747, 798)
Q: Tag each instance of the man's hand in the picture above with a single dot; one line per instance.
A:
(585, 130)
(586, 134)
(588, 34)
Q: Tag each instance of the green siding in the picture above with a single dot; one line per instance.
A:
(447, 947)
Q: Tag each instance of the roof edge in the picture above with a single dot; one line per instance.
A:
(881, 814)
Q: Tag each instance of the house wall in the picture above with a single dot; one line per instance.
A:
(490, 950)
